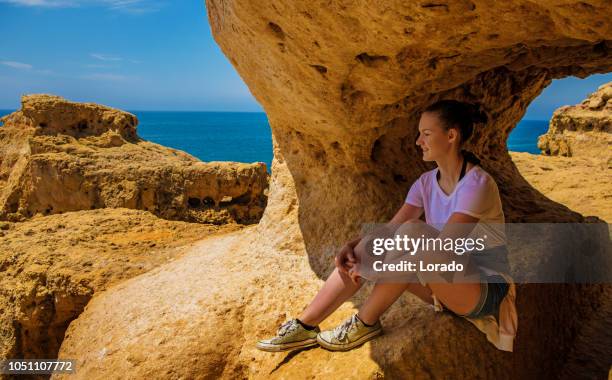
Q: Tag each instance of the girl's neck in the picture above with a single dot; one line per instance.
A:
(450, 168)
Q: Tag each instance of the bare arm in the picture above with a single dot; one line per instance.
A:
(458, 225)
(346, 257)
(405, 213)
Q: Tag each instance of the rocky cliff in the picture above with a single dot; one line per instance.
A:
(71, 177)
(343, 85)
(582, 130)
(58, 156)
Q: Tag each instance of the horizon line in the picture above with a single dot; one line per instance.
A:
(208, 111)
(130, 111)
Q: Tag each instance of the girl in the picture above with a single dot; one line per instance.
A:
(457, 193)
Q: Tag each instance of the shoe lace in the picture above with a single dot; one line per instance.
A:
(340, 332)
(287, 327)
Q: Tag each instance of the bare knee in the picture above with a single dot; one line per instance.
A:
(416, 227)
(360, 248)
(345, 278)
(423, 292)
(414, 220)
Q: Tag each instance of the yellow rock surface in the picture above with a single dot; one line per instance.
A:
(343, 85)
(582, 130)
(59, 156)
(582, 183)
(51, 266)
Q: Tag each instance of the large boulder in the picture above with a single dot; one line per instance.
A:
(582, 130)
(58, 156)
(343, 85)
(51, 266)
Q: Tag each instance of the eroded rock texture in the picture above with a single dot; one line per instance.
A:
(51, 266)
(571, 181)
(583, 130)
(343, 84)
(58, 156)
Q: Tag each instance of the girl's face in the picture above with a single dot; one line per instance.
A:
(435, 141)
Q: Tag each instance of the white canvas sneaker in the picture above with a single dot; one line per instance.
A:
(350, 334)
(290, 336)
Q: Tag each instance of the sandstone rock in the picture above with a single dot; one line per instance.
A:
(54, 115)
(570, 181)
(583, 130)
(343, 85)
(208, 308)
(199, 317)
(51, 267)
(58, 156)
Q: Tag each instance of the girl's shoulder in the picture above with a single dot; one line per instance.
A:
(426, 176)
(477, 176)
(426, 179)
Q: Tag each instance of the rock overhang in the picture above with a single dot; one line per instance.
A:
(343, 85)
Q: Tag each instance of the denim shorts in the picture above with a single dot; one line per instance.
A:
(493, 289)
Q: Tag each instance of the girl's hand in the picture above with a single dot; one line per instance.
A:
(345, 259)
(354, 274)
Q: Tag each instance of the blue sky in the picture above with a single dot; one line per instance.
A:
(146, 55)
(131, 54)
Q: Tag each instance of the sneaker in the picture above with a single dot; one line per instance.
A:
(350, 334)
(290, 336)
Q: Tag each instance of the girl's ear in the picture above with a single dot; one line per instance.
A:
(453, 134)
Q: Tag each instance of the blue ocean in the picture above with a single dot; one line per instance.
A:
(246, 136)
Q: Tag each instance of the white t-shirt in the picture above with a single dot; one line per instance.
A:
(476, 194)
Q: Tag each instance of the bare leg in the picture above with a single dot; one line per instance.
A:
(337, 289)
(459, 297)
(385, 294)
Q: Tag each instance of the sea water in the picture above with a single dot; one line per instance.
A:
(246, 136)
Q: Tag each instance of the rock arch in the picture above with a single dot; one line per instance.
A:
(351, 128)
(343, 84)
